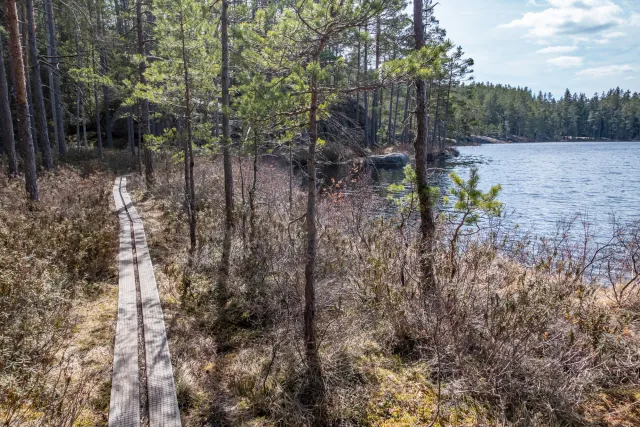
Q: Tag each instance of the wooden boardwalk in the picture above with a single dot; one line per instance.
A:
(128, 382)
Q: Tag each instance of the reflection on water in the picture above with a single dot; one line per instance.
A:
(542, 183)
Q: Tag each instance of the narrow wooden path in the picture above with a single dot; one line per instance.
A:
(142, 391)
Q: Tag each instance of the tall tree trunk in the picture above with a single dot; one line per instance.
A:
(189, 161)
(367, 125)
(106, 97)
(226, 153)
(80, 118)
(144, 103)
(395, 116)
(97, 105)
(446, 109)
(374, 107)
(5, 117)
(41, 119)
(380, 108)
(434, 145)
(139, 153)
(405, 130)
(314, 365)
(25, 60)
(357, 83)
(390, 124)
(54, 81)
(131, 132)
(22, 122)
(427, 223)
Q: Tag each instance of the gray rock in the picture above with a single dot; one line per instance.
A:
(389, 161)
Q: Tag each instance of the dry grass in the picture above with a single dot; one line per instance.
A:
(516, 339)
(519, 334)
(58, 300)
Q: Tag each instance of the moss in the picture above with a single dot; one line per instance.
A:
(401, 394)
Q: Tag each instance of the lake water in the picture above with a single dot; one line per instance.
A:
(543, 183)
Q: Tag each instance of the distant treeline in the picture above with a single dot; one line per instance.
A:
(504, 111)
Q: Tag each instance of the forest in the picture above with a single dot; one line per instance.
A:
(504, 112)
(179, 142)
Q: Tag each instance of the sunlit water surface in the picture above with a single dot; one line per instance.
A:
(544, 183)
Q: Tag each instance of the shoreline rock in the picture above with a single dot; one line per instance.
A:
(388, 161)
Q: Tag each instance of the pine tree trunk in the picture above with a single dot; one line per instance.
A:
(405, 130)
(427, 223)
(131, 132)
(226, 153)
(80, 119)
(366, 94)
(390, 124)
(380, 108)
(41, 119)
(375, 124)
(358, 82)
(314, 365)
(144, 103)
(54, 82)
(434, 145)
(446, 111)
(22, 122)
(106, 98)
(395, 116)
(5, 117)
(189, 161)
(95, 99)
(25, 60)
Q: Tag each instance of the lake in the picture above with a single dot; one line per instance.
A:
(543, 183)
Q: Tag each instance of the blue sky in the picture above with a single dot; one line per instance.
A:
(549, 45)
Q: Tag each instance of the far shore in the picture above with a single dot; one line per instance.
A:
(474, 140)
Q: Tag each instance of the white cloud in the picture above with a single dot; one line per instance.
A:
(606, 37)
(566, 61)
(558, 49)
(608, 70)
(571, 17)
(614, 34)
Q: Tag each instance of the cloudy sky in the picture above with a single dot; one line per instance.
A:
(549, 45)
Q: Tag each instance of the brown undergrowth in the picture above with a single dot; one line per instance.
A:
(521, 332)
(58, 298)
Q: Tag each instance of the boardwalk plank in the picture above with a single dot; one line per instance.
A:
(124, 408)
(163, 402)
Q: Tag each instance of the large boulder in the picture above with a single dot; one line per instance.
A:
(389, 161)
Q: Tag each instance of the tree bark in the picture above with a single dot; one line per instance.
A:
(446, 109)
(80, 117)
(405, 129)
(144, 104)
(390, 124)
(22, 122)
(106, 98)
(25, 60)
(358, 82)
(5, 117)
(226, 153)
(427, 222)
(95, 98)
(188, 159)
(314, 365)
(41, 119)
(395, 116)
(367, 125)
(435, 124)
(131, 132)
(54, 82)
